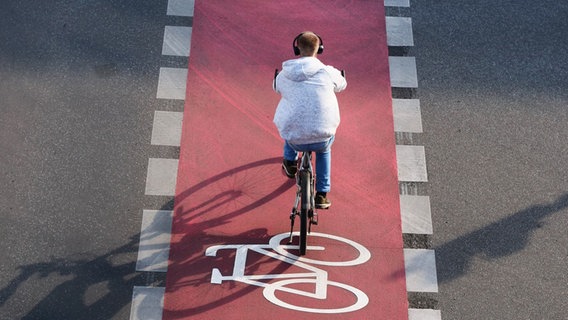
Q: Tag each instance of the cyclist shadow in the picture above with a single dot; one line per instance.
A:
(210, 213)
(499, 239)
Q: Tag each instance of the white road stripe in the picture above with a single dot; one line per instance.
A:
(176, 41)
(397, 3)
(403, 72)
(424, 314)
(420, 266)
(180, 8)
(147, 303)
(161, 177)
(407, 116)
(411, 161)
(171, 83)
(416, 214)
(399, 31)
(155, 234)
(166, 130)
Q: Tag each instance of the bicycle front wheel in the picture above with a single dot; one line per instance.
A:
(305, 207)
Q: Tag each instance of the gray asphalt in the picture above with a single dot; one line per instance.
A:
(77, 94)
(494, 95)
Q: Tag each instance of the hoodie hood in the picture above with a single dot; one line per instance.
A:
(302, 68)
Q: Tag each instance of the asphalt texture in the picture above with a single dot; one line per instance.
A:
(493, 92)
(77, 94)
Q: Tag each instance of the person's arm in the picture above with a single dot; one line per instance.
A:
(339, 82)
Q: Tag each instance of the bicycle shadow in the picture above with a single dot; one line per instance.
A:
(198, 224)
(499, 239)
(114, 274)
(71, 299)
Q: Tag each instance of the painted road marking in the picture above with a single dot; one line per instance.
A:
(411, 161)
(397, 3)
(407, 116)
(180, 8)
(176, 41)
(403, 72)
(161, 177)
(416, 214)
(171, 83)
(154, 247)
(147, 303)
(399, 31)
(166, 130)
(424, 314)
(311, 274)
(420, 266)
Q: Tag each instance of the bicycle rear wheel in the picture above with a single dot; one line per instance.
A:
(305, 207)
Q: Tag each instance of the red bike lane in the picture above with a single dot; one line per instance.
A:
(232, 199)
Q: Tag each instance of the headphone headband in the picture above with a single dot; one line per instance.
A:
(297, 50)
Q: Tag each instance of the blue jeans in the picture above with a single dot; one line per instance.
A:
(323, 160)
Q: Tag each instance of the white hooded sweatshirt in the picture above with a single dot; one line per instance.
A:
(308, 111)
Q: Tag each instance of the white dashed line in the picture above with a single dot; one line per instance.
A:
(407, 116)
(161, 177)
(424, 314)
(416, 214)
(403, 72)
(420, 267)
(180, 8)
(176, 41)
(420, 264)
(155, 235)
(399, 31)
(397, 3)
(411, 161)
(147, 303)
(171, 83)
(166, 130)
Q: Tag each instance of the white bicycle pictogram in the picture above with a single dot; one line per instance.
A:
(319, 277)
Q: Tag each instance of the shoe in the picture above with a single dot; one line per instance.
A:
(322, 202)
(290, 168)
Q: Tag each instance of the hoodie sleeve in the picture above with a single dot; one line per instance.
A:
(339, 82)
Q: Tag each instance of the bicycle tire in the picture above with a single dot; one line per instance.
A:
(305, 204)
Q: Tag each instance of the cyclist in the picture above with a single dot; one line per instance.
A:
(307, 115)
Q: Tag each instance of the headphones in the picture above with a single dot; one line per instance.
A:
(297, 50)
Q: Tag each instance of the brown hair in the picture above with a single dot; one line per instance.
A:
(308, 43)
